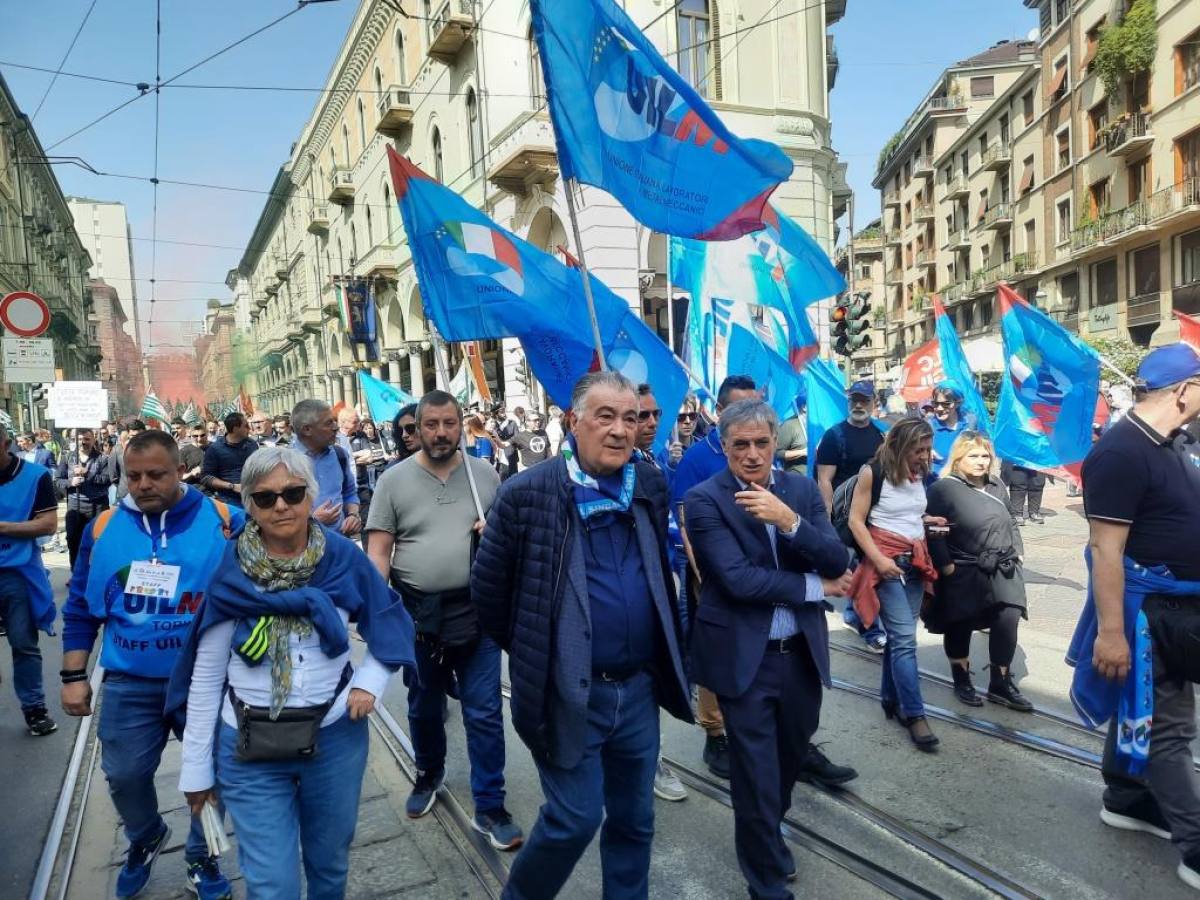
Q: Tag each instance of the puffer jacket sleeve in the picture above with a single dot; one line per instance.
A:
(493, 574)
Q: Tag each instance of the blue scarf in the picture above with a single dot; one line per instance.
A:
(598, 494)
(1096, 698)
(343, 579)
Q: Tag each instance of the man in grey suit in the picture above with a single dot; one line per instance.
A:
(768, 557)
(572, 579)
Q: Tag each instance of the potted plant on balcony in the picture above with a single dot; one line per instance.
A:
(1127, 48)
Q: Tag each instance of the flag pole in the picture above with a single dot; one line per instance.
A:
(440, 361)
(1112, 368)
(671, 328)
(583, 269)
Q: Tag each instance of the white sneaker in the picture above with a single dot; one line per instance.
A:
(1188, 875)
(667, 785)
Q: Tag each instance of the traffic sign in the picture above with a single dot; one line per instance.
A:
(24, 313)
(28, 360)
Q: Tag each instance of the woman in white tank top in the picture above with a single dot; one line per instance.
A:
(887, 518)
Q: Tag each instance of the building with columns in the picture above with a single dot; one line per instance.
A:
(463, 98)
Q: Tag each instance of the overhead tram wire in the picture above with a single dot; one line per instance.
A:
(154, 180)
(78, 31)
(145, 88)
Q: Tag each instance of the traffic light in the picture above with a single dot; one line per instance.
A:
(37, 391)
(851, 321)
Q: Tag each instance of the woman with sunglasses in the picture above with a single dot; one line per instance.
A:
(291, 747)
(888, 519)
(981, 584)
(687, 420)
(404, 433)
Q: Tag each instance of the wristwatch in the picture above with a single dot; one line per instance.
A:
(791, 532)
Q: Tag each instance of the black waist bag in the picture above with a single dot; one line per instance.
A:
(293, 735)
(1175, 629)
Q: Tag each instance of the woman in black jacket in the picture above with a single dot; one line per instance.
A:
(982, 585)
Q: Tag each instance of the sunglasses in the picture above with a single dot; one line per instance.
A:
(291, 496)
(410, 428)
(942, 404)
(686, 417)
(645, 414)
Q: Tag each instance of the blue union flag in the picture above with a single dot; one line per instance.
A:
(625, 121)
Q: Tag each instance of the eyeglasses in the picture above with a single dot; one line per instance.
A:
(686, 417)
(410, 428)
(942, 404)
(645, 414)
(291, 496)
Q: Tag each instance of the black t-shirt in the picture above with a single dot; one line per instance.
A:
(533, 447)
(43, 497)
(1136, 476)
(849, 448)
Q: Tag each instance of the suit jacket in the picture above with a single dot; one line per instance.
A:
(742, 584)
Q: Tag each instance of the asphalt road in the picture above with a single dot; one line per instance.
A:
(33, 767)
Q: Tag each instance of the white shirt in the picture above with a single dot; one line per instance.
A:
(900, 509)
(314, 678)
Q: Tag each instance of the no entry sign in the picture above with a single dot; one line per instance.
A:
(24, 314)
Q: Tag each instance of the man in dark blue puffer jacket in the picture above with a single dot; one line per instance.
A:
(572, 579)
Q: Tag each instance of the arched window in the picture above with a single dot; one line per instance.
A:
(346, 144)
(401, 68)
(537, 83)
(332, 159)
(388, 212)
(427, 8)
(353, 245)
(474, 134)
(328, 262)
(694, 59)
(378, 87)
(437, 155)
(341, 257)
(362, 127)
(370, 230)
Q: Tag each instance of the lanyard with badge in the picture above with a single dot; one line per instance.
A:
(152, 578)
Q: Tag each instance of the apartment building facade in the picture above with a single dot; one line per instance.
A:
(463, 98)
(103, 228)
(40, 251)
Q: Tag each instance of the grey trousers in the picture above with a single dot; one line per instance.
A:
(1169, 778)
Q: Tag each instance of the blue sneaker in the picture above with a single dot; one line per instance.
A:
(135, 874)
(204, 879)
(498, 825)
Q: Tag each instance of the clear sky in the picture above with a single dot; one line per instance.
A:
(890, 50)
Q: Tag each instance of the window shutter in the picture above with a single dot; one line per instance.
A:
(714, 22)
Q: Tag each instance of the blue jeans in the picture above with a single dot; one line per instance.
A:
(613, 784)
(476, 670)
(17, 614)
(899, 608)
(284, 808)
(850, 617)
(133, 732)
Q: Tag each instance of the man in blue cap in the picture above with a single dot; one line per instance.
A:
(1142, 500)
(844, 449)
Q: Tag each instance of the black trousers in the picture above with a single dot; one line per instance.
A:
(75, 523)
(1002, 637)
(768, 728)
(1025, 485)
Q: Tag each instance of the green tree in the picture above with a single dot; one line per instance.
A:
(1123, 353)
(1127, 49)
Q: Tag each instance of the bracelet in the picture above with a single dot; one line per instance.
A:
(70, 676)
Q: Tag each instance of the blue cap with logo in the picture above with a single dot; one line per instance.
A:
(863, 388)
(1167, 366)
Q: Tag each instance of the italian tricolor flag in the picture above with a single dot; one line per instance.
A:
(484, 241)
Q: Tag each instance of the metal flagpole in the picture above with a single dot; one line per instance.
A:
(1108, 365)
(440, 361)
(587, 282)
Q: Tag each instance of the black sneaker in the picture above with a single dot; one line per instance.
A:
(1144, 816)
(1003, 690)
(38, 723)
(1189, 870)
(424, 793)
(716, 755)
(817, 769)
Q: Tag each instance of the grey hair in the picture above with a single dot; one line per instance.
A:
(747, 412)
(265, 460)
(609, 379)
(306, 412)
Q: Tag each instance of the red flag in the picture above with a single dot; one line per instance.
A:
(1189, 330)
(922, 370)
(243, 401)
(568, 258)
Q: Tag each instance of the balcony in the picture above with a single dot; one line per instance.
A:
(923, 166)
(281, 269)
(318, 219)
(379, 262)
(998, 217)
(893, 238)
(1111, 227)
(926, 258)
(1144, 310)
(895, 275)
(960, 239)
(957, 187)
(341, 186)
(831, 61)
(891, 198)
(525, 155)
(997, 157)
(834, 11)
(942, 105)
(923, 212)
(984, 280)
(449, 29)
(311, 319)
(1128, 135)
(954, 293)
(868, 244)
(395, 111)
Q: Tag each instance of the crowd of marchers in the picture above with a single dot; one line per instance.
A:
(629, 560)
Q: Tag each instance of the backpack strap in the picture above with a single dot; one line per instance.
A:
(101, 523)
(876, 481)
(223, 511)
